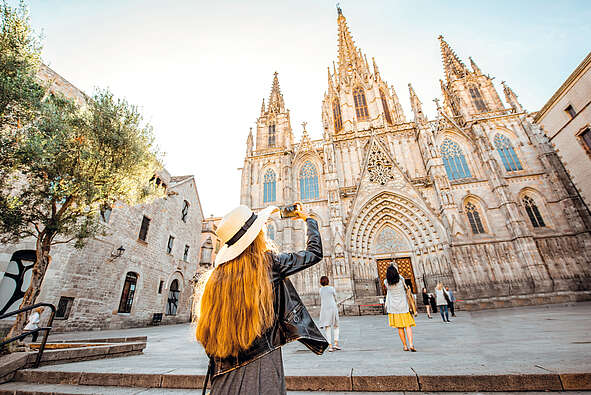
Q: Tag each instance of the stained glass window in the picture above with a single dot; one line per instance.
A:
(360, 104)
(454, 160)
(474, 218)
(271, 231)
(507, 153)
(386, 109)
(533, 213)
(477, 98)
(336, 114)
(269, 186)
(308, 182)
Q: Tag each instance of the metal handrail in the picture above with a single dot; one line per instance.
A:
(45, 329)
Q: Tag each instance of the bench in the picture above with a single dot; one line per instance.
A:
(156, 318)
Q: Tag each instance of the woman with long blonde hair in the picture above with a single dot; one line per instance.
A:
(249, 308)
(442, 299)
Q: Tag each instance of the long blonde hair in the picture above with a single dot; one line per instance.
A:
(439, 286)
(237, 302)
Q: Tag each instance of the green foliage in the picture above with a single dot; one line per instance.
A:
(59, 162)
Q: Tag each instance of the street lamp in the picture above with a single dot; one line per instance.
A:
(118, 252)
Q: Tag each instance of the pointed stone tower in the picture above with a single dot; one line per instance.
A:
(273, 125)
(466, 93)
(511, 98)
(357, 97)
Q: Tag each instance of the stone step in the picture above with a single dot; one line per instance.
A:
(413, 383)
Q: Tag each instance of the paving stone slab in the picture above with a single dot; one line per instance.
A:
(576, 381)
(518, 382)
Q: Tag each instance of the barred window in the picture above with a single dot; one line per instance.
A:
(454, 160)
(360, 104)
(533, 212)
(336, 114)
(271, 231)
(507, 153)
(144, 228)
(170, 244)
(269, 180)
(386, 109)
(185, 211)
(173, 298)
(186, 254)
(308, 182)
(477, 98)
(271, 140)
(474, 219)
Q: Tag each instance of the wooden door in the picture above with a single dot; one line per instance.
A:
(406, 271)
(382, 267)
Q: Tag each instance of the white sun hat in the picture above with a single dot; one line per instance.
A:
(238, 229)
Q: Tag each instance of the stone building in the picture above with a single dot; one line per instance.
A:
(210, 243)
(566, 120)
(475, 198)
(143, 265)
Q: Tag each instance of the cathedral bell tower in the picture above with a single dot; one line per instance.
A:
(357, 98)
(466, 93)
(273, 124)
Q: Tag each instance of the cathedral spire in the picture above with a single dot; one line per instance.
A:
(397, 107)
(350, 58)
(376, 72)
(276, 103)
(475, 67)
(249, 143)
(417, 106)
(452, 65)
(263, 110)
(330, 84)
(511, 98)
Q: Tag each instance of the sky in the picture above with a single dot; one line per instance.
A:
(199, 70)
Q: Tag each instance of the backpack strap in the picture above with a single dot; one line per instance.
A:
(207, 375)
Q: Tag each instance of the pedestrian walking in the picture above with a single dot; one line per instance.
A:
(397, 307)
(427, 302)
(452, 299)
(329, 314)
(442, 301)
(33, 322)
(433, 303)
(249, 309)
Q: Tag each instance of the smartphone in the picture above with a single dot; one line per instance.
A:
(289, 211)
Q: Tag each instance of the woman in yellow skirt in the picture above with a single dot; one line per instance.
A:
(397, 307)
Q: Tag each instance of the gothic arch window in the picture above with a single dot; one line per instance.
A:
(271, 141)
(128, 293)
(309, 182)
(336, 114)
(507, 153)
(386, 109)
(474, 218)
(173, 298)
(454, 160)
(360, 104)
(533, 212)
(477, 98)
(271, 231)
(269, 181)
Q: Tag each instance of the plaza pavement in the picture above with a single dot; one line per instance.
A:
(540, 339)
(476, 346)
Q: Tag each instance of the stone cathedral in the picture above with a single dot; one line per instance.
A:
(476, 198)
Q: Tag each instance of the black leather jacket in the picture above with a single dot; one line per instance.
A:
(292, 320)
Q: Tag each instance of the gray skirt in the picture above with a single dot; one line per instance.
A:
(261, 376)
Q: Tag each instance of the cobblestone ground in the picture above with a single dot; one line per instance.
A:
(555, 338)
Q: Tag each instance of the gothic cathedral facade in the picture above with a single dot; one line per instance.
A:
(476, 198)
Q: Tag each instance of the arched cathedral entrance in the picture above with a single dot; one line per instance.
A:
(392, 229)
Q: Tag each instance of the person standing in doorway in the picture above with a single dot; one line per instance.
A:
(329, 314)
(33, 322)
(427, 302)
(397, 307)
(442, 300)
(452, 299)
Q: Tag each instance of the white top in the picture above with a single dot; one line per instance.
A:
(439, 297)
(33, 322)
(396, 302)
(329, 312)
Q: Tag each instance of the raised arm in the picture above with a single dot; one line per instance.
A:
(291, 263)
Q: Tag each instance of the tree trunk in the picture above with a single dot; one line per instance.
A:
(42, 261)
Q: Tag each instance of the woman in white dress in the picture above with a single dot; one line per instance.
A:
(329, 314)
(397, 307)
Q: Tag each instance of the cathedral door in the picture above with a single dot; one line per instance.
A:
(405, 270)
(382, 267)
